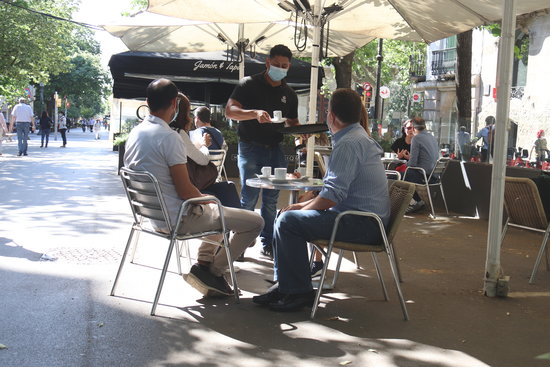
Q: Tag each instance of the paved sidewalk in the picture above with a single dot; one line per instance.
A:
(69, 204)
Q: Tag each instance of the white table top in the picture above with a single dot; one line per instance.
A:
(312, 184)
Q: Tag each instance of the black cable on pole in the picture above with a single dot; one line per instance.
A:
(55, 17)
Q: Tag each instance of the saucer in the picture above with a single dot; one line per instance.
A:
(278, 121)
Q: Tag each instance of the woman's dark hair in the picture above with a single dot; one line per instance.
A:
(44, 115)
(183, 120)
(280, 50)
(345, 103)
(160, 93)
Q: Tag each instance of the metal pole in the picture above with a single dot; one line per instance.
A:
(56, 118)
(241, 51)
(313, 84)
(377, 98)
(505, 55)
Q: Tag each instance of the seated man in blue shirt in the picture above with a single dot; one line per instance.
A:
(202, 122)
(355, 180)
(424, 154)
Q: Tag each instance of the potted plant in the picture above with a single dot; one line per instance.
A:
(120, 143)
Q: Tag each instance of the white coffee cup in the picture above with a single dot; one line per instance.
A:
(277, 115)
(266, 171)
(301, 171)
(387, 155)
(393, 155)
(280, 173)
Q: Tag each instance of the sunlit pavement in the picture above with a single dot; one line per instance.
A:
(66, 206)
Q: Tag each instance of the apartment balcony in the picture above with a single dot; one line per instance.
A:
(444, 64)
(417, 68)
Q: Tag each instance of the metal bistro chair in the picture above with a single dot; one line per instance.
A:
(145, 197)
(401, 193)
(424, 188)
(217, 156)
(524, 207)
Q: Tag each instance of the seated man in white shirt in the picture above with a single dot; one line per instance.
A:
(152, 146)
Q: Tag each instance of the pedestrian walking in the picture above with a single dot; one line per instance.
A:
(97, 128)
(62, 128)
(23, 119)
(45, 124)
(3, 130)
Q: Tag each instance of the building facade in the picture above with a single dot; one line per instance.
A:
(530, 102)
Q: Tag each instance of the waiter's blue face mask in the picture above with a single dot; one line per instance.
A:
(276, 74)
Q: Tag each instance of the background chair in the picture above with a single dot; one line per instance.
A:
(147, 203)
(217, 156)
(434, 180)
(524, 207)
(401, 193)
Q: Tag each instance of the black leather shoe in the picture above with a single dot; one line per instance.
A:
(272, 295)
(293, 302)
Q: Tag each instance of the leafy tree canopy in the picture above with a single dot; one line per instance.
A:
(33, 46)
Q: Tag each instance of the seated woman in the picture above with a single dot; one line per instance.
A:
(226, 192)
(402, 145)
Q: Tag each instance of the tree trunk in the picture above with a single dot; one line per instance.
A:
(464, 78)
(342, 69)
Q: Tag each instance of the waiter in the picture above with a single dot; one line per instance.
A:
(252, 103)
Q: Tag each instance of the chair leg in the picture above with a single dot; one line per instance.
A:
(337, 272)
(379, 273)
(430, 200)
(539, 256)
(123, 259)
(163, 275)
(134, 248)
(443, 197)
(397, 286)
(357, 266)
(231, 267)
(321, 283)
(178, 257)
(396, 259)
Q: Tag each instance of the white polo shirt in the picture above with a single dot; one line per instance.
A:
(22, 112)
(154, 147)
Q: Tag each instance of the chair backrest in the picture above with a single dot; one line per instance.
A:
(393, 175)
(217, 157)
(439, 168)
(321, 163)
(144, 196)
(401, 193)
(523, 203)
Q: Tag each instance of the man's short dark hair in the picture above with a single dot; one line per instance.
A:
(490, 120)
(280, 50)
(160, 93)
(345, 103)
(419, 123)
(203, 113)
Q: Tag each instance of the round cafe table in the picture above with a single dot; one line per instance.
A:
(292, 185)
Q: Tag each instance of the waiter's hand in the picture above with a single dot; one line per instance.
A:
(263, 117)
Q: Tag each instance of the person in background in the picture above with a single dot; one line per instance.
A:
(23, 119)
(45, 123)
(487, 134)
(204, 126)
(463, 142)
(402, 145)
(62, 128)
(424, 154)
(97, 128)
(540, 147)
(3, 130)
(154, 147)
(252, 103)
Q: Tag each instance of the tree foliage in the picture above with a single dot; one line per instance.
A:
(395, 69)
(33, 46)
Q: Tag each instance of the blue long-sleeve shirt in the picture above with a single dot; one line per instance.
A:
(355, 178)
